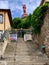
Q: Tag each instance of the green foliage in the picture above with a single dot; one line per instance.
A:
(27, 22)
(47, 3)
(16, 22)
(38, 17)
(22, 23)
(34, 20)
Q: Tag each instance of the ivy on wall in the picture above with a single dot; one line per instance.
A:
(38, 17)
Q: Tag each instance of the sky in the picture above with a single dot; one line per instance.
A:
(16, 6)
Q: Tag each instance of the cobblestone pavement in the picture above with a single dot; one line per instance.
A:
(23, 53)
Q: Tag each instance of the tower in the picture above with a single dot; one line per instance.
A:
(24, 11)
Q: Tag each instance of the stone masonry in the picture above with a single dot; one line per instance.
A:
(43, 38)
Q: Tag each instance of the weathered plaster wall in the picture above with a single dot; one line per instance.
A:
(7, 22)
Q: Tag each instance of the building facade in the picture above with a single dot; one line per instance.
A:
(5, 20)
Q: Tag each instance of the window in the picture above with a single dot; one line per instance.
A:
(1, 18)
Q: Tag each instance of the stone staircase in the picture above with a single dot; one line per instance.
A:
(36, 55)
(24, 53)
(27, 54)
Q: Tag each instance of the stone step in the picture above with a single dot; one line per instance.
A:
(21, 63)
(10, 49)
(3, 63)
(26, 63)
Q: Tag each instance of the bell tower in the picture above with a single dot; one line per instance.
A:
(24, 11)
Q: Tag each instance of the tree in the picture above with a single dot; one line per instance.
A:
(16, 22)
(27, 22)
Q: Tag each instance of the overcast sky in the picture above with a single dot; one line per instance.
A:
(16, 6)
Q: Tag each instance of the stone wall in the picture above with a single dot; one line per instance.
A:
(43, 38)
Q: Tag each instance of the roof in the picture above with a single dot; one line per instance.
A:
(9, 14)
(42, 1)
